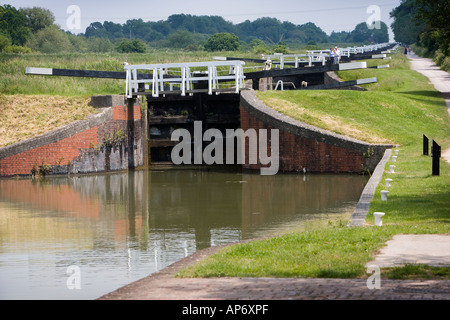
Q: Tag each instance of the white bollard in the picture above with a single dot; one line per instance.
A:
(396, 152)
(394, 158)
(388, 182)
(391, 168)
(378, 216)
(384, 194)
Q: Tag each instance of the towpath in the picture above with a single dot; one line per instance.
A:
(439, 78)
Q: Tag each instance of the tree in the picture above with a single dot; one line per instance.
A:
(222, 42)
(127, 46)
(4, 42)
(281, 47)
(435, 14)
(362, 33)
(268, 29)
(259, 46)
(13, 24)
(181, 39)
(406, 27)
(380, 35)
(313, 32)
(337, 37)
(78, 43)
(96, 29)
(162, 27)
(38, 18)
(114, 30)
(424, 22)
(95, 44)
(50, 40)
(296, 35)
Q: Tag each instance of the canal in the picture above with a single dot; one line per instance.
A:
(80, 237)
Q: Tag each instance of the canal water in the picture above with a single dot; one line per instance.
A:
(81, 237)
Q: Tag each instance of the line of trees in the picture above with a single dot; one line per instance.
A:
(425, 24)
(181, 30)
(34, 29)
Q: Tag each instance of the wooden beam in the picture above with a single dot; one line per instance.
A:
(340, 84)
(290, 72)
(82, 73)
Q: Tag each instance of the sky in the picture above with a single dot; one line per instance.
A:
(329, 15)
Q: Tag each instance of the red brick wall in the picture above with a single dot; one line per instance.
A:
(297, 152)
(67, 149)
(51, 154)
(120, 113)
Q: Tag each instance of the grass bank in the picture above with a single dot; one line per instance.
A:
(399, 108)
(14, 81)
(26, 116)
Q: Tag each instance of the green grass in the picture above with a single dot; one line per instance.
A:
(14, 81)
(417, 271)
(399, 108)
(328, 252)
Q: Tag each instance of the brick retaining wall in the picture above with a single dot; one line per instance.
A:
(100, 143)
(304, 146)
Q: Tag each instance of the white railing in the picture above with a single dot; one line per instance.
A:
(298, 59)
(320, 56)
(166, 77)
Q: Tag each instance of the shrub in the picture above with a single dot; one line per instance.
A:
(127, 46)
(17, 49)
(4, 42)
(222, 42)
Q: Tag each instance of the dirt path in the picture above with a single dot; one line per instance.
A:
(439, 78)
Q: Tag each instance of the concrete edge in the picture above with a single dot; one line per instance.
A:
(362, 208)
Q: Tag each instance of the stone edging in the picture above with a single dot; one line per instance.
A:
(359, 214)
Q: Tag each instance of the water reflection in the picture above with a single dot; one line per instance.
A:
(118, 228)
